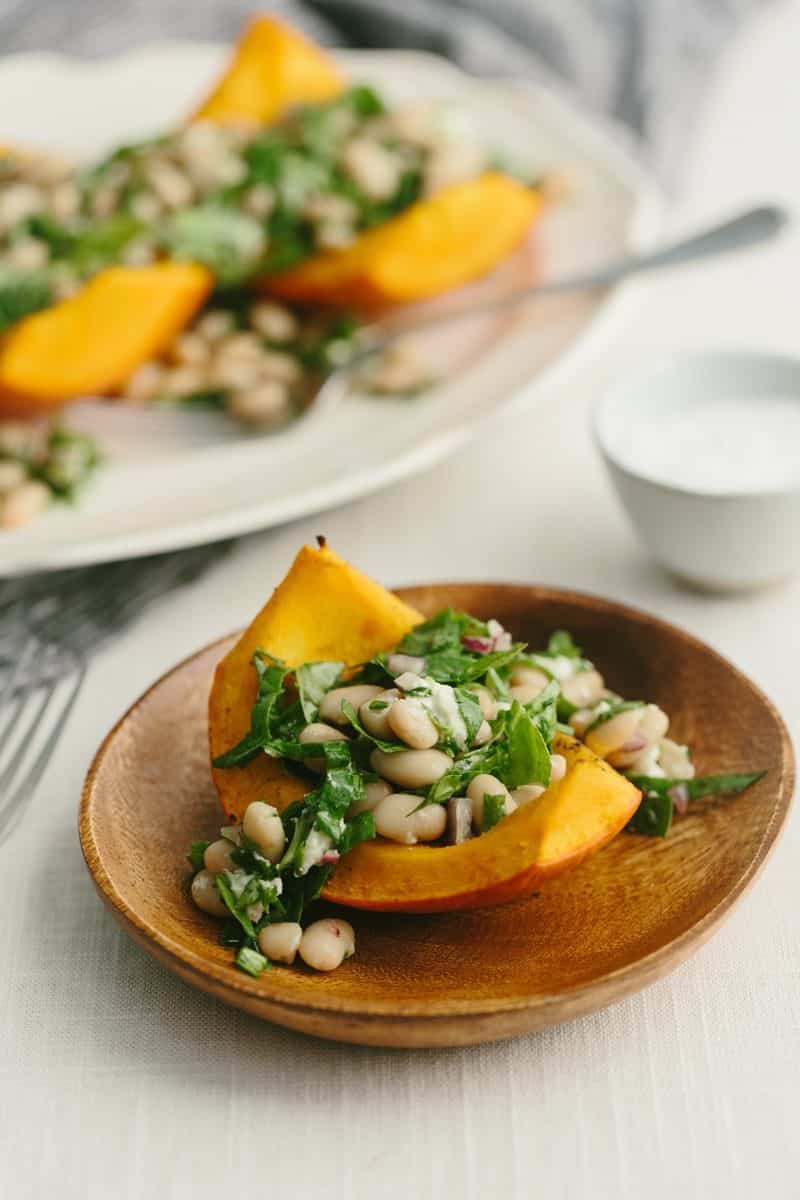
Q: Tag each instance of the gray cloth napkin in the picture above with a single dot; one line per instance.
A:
(642, 63)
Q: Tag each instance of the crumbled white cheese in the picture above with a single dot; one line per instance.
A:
(560, 666)
(443, 707)
(648, 762)
(410, 682)
(316, 847)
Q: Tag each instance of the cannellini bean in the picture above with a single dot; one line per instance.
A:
(145, 383)
(217, 857)
(375, 169)
(281, 941)
(526, 793)
(326, 944)
(459, 820)
(191, 350)
(274, 322)
(411, 768)
(487, 785)
(558, 767)
(104, 201)
(12, 474)
(330, 235)
(284, 367)
(583, 689)
(331, 707)
(330, 208)
(182, 381)
(675, 761)
(320, 733)
(28, 254)
(65, 282)
(241, 345)
(409, 721)
(214, 325)
(172, 186)
(259, 200)
(524, 676)
(451, 162)
(374, 791)
(234, 373)
(376, 720)
(139, 252)
(206, 896)
(263, 405)
(399, 369)
(653, 723)
(398, 664)
(524, 692)
(64, 201)
(264, 827)
(20, 437)
(396, 819)
(486, 700)
(581, 719)
(146, 206)
(483, 735)
(18, 201)
(23, 504)
(612, 734)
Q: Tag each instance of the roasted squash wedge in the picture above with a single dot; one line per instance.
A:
(456, 236)
(273, 67)
(90, 344)
(325, 609)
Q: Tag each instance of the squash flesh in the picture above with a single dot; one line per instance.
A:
(91, 343)
(437, 244)
(273, 67)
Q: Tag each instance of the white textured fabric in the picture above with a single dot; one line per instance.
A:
(118, 1081)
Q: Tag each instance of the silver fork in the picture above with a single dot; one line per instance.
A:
(34, 709)
(48, 628)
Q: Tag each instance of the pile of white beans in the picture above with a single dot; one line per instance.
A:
(634, 740)
(392, 715)
(323, 945)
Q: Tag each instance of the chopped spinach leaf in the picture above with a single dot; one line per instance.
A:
(493, 809)
(251, 962)
(195, 855)
(653, 817)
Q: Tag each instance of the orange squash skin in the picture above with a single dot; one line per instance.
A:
(273, 67)
(572, 820)
(458, 235)
(324, 609)
(91, 343)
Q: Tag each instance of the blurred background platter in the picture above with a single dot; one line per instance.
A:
(175, 479)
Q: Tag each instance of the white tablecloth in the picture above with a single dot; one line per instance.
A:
(117, 1080)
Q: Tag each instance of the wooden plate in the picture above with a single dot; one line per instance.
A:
(597, 934)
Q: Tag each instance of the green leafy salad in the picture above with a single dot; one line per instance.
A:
(436, 741)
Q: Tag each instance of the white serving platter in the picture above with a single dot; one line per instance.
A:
(175, 479)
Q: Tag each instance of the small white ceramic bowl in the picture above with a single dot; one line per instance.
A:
(726, 538)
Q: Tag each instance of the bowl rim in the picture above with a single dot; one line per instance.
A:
(638, 377)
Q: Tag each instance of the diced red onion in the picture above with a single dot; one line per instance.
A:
(330, 856)
(679, 795)
(478, 645)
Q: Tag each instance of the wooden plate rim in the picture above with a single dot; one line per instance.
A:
(581, 998)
